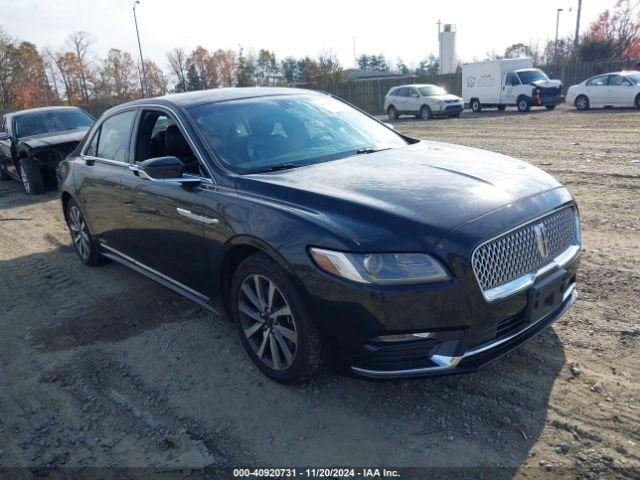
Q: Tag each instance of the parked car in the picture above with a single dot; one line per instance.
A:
(422, 100)
(618, 89)
(323, 233)
(33, 142)
(510, 81)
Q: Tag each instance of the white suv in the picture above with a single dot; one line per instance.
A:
(422, 100)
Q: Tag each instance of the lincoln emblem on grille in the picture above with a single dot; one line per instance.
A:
(542, 240)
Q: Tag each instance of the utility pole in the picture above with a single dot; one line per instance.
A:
(355, 59)
(577, 37)
(555, 54)
(439, 23)
(143, 80)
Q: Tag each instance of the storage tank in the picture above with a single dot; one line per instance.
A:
(447, 39)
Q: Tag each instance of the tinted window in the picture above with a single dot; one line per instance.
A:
(52, 121)
(512, 79)
(402, 92)
(254, 134)
(530, 76)
(115, 132)
(413, 93)
(598, 81)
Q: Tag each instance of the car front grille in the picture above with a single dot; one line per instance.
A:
(518, 253)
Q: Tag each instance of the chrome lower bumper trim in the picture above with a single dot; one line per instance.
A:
(444, 363)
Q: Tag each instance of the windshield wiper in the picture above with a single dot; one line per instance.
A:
(276, 167)
(365, 150)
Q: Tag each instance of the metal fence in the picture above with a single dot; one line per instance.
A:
(369, 94)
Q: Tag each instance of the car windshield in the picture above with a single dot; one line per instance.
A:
(530, 76)
(634, 77)
(36, 123)
(431, 90)
(270, 133)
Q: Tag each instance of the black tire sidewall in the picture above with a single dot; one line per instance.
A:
(34, 176)
(586, 107)
(392, 113)
(638, 101)
(425, 112)
(476, 106)
(526, 109)
(308, 358)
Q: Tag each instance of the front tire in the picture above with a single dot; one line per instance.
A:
(425, 113)
(582, 102)
(392, 113)
(476, 106)
(274, 325)
(32, 180)
(82, 241)
(637, 102)
(524, 105)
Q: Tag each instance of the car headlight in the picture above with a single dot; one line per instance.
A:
(380, 268)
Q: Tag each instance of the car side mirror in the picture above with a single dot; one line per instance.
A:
(163, 169)
(4, 136)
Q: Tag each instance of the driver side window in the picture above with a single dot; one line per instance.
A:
(160, 136)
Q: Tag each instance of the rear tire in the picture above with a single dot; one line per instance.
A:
(524, 105)
(287, 347)
(476, 106)
(638, 101)
(392, 113)
(31, 176)
(425, 113)
(83, 243)
(582, 102)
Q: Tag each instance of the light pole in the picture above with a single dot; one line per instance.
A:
(143, 82)
(555, 54)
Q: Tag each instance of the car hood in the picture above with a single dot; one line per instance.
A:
(436, 185)
(445, 97)
(547, 83)
(46, 140)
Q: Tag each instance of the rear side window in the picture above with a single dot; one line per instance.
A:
(112, 141)
(617, 80)
(598, 81)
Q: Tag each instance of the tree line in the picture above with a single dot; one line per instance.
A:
(73, 74)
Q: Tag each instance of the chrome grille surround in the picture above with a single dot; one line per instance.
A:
(511, 262)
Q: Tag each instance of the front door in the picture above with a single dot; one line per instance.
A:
(510, 89)
(596, 90)
(164, 220)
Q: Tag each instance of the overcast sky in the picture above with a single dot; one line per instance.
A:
(405, 29)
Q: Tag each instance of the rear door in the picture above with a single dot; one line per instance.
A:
(165, 221)
(102, 162)
(413, 100)
(596, 90)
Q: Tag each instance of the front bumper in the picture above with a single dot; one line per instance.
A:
(543, 100)
(447, 358)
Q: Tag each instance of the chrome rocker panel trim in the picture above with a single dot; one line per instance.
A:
(446, 363)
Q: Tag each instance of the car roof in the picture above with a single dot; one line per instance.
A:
(17, 113)
(203, 97)
(417, 85)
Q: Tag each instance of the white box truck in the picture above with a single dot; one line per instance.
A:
(510, 81)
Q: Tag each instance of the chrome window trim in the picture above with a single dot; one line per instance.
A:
(171, 111)
(155, 272)
(104, 160)
(444, 362)
(524, 281)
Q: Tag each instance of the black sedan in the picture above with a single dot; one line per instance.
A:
(34, 141)
(323, 233)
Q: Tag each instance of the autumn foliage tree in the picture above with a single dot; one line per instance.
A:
(617, 31)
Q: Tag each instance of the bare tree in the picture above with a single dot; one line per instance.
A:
(80, 43)
(178, 62)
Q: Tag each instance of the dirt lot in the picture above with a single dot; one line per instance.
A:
(101, 367)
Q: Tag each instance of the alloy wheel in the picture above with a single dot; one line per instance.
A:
(582, 103)
(267, 322)
(25, 179)
(79, 233)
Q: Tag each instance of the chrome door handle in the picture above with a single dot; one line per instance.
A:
(197, 218)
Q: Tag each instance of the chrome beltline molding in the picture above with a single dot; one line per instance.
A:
(444, 362)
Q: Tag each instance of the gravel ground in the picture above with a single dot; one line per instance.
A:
(101, 367)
